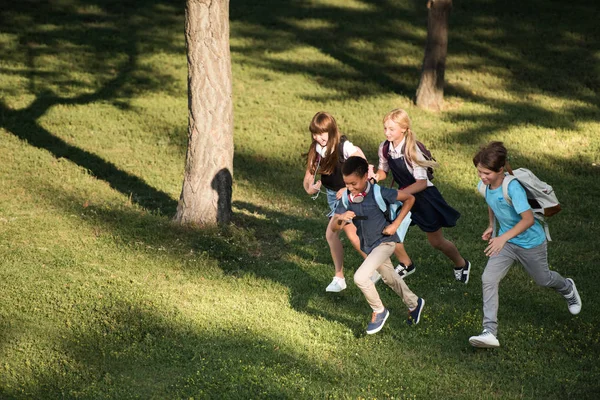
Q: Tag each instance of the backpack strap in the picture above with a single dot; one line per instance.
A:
(345, 199)
(380, 202)
(482, 189)
(385, 150)
(507, 180)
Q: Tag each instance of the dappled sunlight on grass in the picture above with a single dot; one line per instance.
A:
(105, 297)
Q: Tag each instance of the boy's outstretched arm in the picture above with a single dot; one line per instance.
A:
(496, 244)
(407, 202)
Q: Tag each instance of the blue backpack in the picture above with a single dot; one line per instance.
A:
(390, 210)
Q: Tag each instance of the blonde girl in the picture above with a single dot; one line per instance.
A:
(401, 155)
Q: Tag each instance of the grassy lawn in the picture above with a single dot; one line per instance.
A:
(102, 296)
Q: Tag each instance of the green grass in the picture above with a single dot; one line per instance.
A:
(102, 296)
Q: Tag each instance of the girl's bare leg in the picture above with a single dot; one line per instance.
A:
(350, 230)
(336, 248)
(438, 241)
(402, 255)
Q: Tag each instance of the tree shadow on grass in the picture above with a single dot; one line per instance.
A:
(377, 48)
(260, 242)
(133, 348)
(105, 33)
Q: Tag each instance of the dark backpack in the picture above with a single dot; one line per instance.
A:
(426, 153)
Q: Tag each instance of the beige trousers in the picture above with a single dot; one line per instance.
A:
(379, 259)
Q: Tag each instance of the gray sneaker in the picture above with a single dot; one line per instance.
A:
(573, 299)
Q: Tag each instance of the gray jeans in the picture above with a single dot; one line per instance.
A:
(535, 262)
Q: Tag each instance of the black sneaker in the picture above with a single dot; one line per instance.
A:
(462, 274)
(404, 271)
(414, 316)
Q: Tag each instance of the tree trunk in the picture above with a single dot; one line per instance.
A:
(207, 183)
(430, 93)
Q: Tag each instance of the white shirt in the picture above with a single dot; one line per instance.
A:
(348, 149)
(416, 170)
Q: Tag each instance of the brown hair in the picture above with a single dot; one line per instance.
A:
(324, 122)
(401, 117)
(491, 156)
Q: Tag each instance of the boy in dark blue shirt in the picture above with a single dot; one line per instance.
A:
(378, 240)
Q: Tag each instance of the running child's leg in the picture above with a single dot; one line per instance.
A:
(362, 276)
(350, 230)
(462, 267)
(535, 262)
(439, 242)
(406, 266)
(393, 280)
(494, 272)
(401, 254)
(336, 249)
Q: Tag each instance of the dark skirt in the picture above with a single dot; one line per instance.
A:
(431, 212)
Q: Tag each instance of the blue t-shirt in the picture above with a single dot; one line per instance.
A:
(370, 230)
(508, 216)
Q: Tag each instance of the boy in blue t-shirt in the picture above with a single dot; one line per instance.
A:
(520, 238)
(378, 240)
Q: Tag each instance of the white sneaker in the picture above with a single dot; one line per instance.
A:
(336, 285)
(485, 340)
(375, 277)
(573, 299)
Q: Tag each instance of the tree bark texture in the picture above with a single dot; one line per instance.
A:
(430, 93)
(207, 184)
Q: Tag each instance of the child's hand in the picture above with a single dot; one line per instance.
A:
(316, 186)
(340, 193)
(487, 234)
(496, 244)
(346, 217)
(371, 172)
(389, 230)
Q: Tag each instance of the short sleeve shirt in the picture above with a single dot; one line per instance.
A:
(508, 216)
(370, 230)
(349, 149)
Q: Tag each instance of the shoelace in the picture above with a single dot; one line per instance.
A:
(572, 300)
